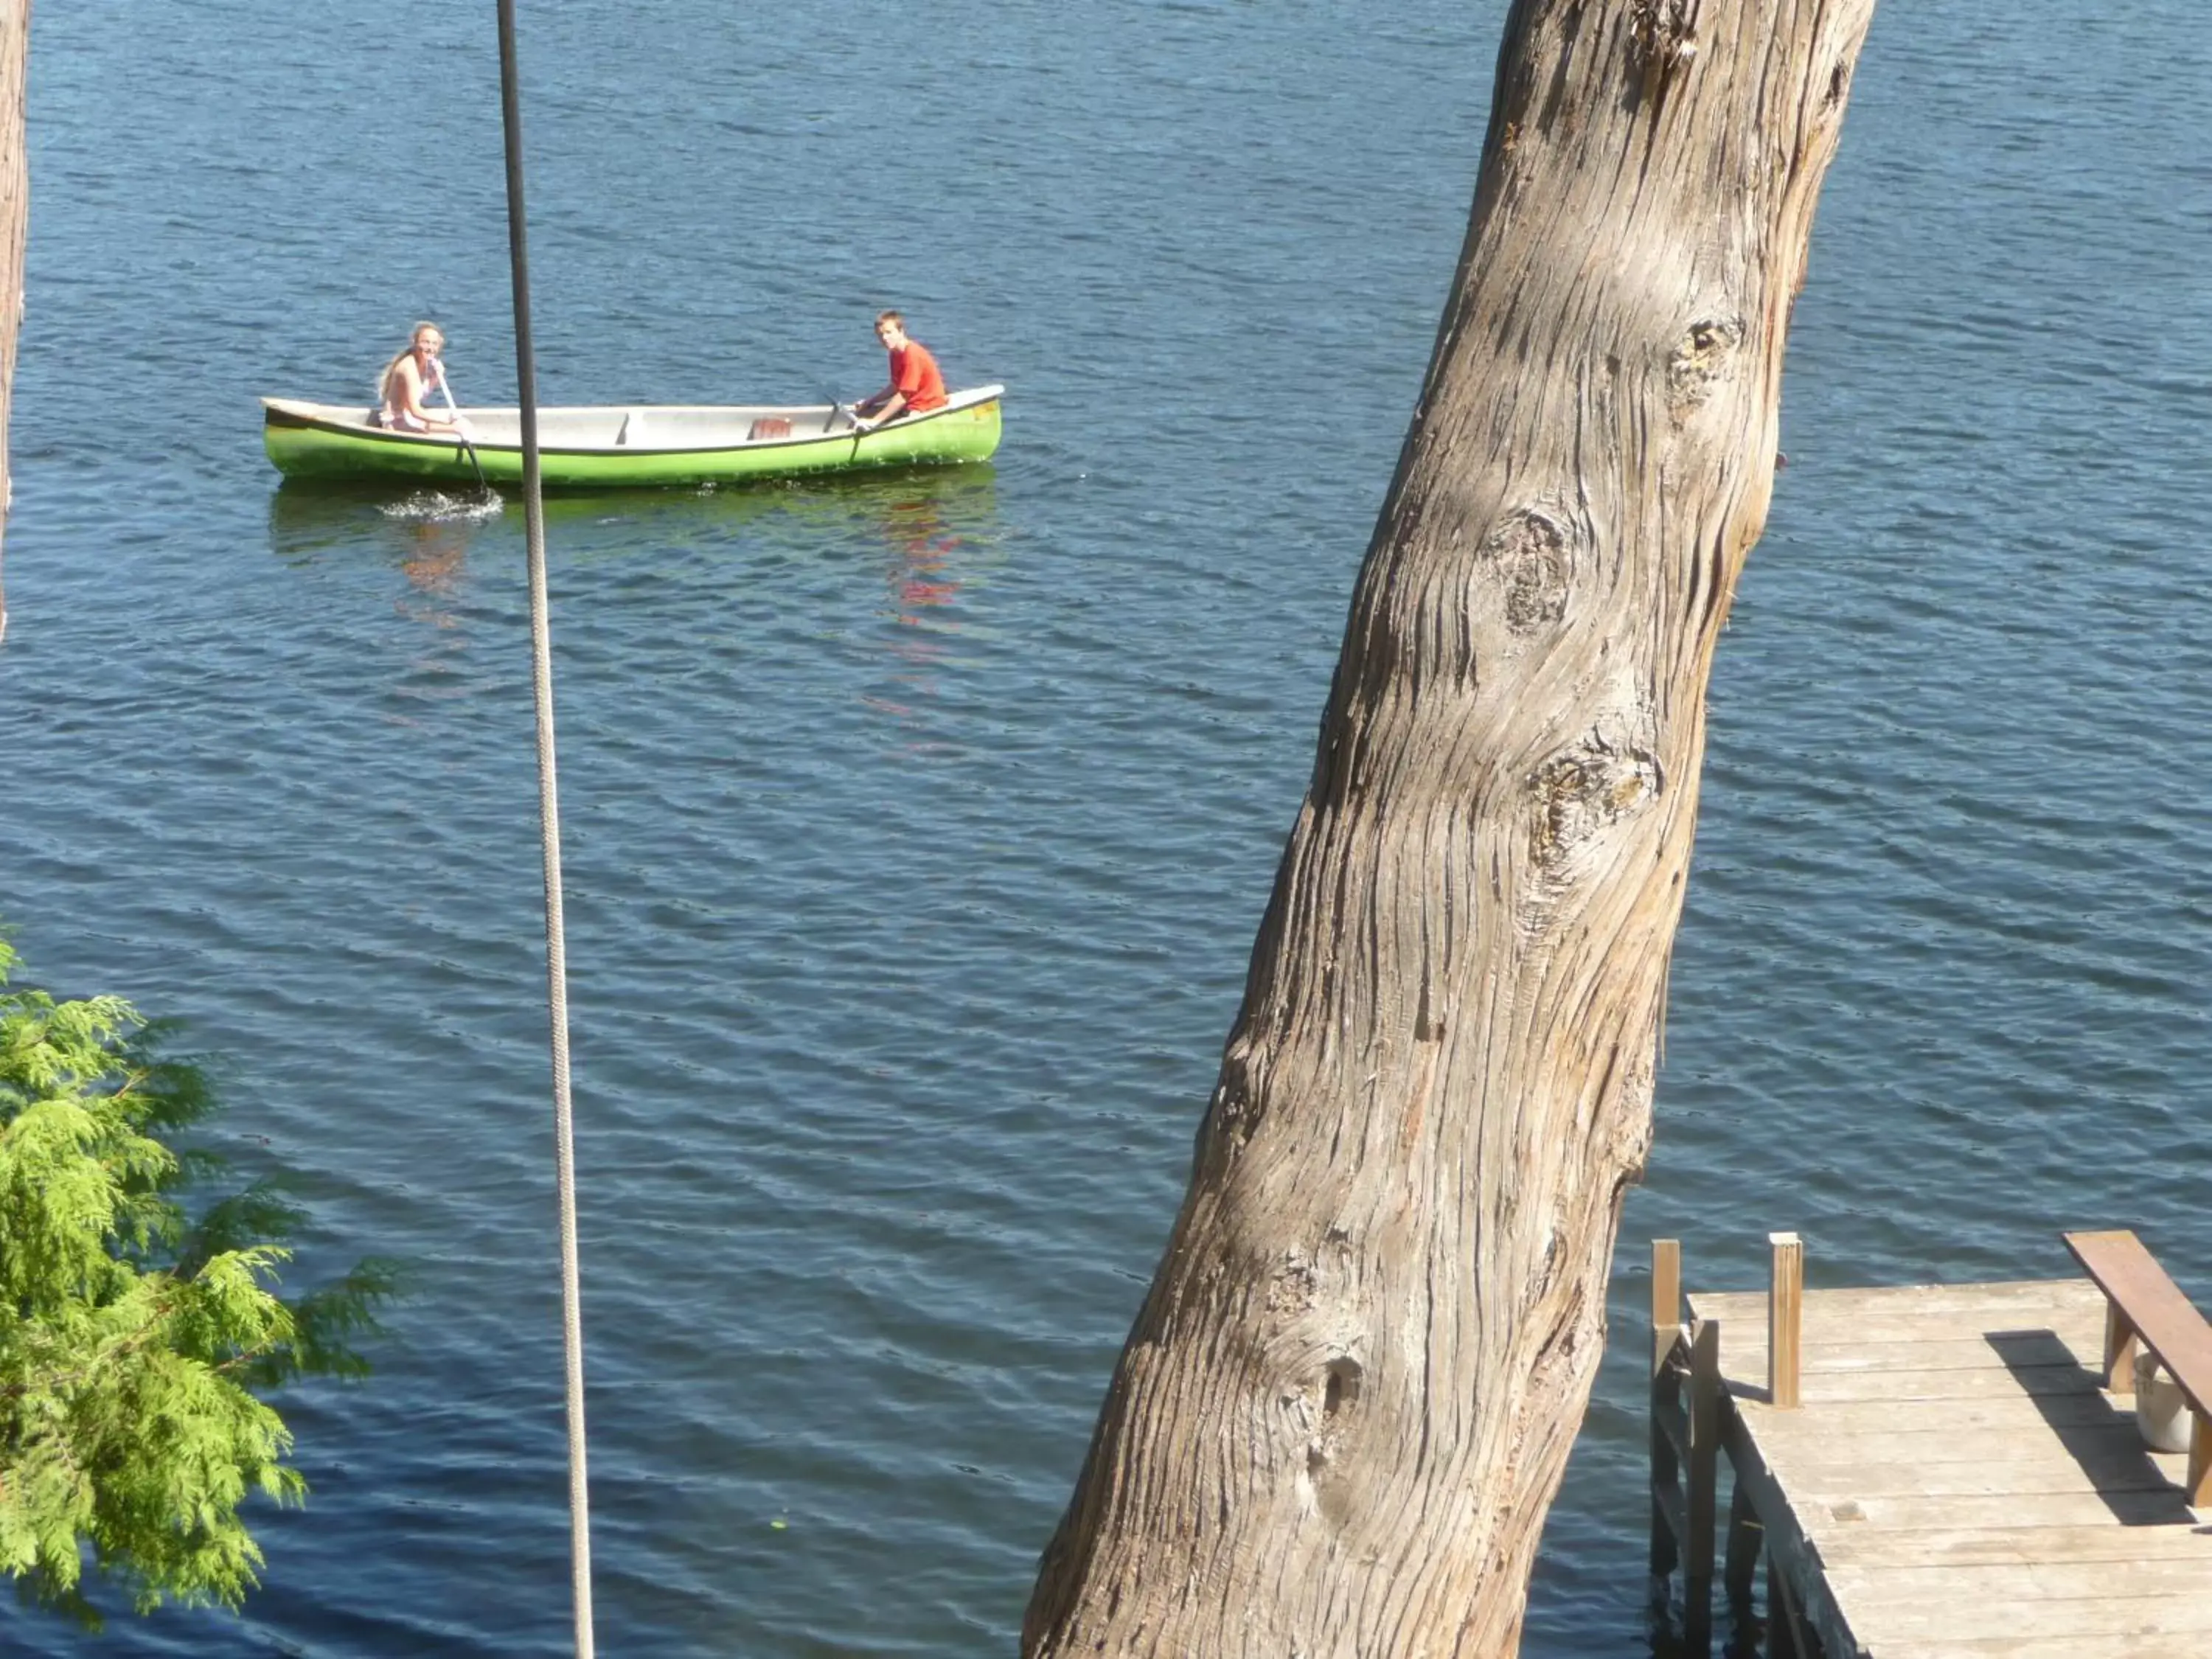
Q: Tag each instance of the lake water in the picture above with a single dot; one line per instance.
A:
(918, 828)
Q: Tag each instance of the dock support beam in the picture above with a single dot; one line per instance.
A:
(1786, 1634)
(1746, 1543)
(1705, 1477)
(1666, 1464)
(1686, 1443)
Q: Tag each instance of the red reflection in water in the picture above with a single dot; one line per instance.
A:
(917, 532)
(435, 553)
(923, 592)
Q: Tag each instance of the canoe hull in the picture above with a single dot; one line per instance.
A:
(315, 441)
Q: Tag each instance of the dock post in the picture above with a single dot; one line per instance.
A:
(1666, 1299)
(1666, 1466)
(1785, 1305)
(1702, 1498)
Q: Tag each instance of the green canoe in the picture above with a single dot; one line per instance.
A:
(642, 445)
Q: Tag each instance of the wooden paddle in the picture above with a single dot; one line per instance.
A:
(459, 431)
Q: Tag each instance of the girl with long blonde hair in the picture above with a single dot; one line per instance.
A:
(409, 378)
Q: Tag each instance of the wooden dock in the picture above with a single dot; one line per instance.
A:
(1953, 1480)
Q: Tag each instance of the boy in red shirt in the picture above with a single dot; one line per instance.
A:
(916, 386)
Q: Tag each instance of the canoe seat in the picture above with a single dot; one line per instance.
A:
(769, 426)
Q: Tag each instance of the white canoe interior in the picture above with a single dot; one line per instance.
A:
(631, 428)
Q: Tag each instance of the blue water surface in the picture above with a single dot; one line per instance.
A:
(918, 827)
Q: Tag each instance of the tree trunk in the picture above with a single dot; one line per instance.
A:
(1346, 1403)
(15, 203)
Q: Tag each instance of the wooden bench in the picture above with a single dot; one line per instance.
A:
(2144, 1306)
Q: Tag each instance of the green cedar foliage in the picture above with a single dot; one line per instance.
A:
(135, 1333)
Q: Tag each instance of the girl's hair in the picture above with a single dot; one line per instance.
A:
(383, 374)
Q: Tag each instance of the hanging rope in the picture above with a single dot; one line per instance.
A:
(549, 820)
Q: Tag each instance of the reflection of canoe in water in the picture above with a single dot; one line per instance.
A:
(310, 517)
(641, 445)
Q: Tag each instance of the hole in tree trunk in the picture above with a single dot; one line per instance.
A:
(1340, 1386)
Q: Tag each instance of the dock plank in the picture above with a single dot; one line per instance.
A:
(2031, 1439)
(1990, 1412)
(1830, 1483)
(2101, 1625)
(1979, 1587)
(1959, 1383)
(1909, 1512)
(1935, 1547)
(1921, 1348)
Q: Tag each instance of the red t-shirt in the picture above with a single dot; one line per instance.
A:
(913, 371)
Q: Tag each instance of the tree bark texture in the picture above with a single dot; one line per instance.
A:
(1349, 1397)
(15, 215)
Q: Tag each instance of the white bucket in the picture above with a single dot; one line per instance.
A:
(2162, 1414)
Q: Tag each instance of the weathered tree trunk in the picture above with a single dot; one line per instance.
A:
(1346, 1403)
(15, 203)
